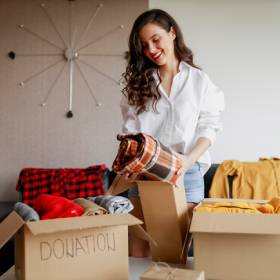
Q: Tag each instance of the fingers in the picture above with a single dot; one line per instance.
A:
(179, 171)
(130, 177)
(180, 180)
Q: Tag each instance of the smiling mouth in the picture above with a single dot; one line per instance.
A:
(157, 56)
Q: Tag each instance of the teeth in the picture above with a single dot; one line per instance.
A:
(157, 55)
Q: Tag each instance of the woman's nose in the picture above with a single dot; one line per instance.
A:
(152, 48)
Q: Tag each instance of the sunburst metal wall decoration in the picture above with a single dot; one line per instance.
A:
(70, 54)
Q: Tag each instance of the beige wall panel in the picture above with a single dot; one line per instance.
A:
(32, 136)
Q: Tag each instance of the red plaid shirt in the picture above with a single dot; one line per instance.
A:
(67, 182)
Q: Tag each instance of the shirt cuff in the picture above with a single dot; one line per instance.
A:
(209, 133)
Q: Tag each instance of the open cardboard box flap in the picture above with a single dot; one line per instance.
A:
(166, 223)
(14, 222)
(9, 227)
(205, 222)
(121, 184)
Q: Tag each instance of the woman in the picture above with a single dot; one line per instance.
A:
(168, 97)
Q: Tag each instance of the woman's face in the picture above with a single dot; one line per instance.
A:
(158, 44)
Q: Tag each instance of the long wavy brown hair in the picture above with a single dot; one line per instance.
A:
(140, 83)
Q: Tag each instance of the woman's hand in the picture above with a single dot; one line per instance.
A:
(131, 177)
(186, 163)
(201, 145)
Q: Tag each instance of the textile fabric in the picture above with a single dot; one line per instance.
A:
(271, 207)
(251, 180)
(91, 208)
(26, 212)
(52, 207)
(194, 184)
(67, 182)
(142, 154)
(113, 204)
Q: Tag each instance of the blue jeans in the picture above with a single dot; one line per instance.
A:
(193, 182)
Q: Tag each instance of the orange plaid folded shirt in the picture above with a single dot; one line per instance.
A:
(142, 154)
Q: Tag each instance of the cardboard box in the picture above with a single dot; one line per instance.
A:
(165, 215)
(159, 272)
(236, 246)
(72, 248)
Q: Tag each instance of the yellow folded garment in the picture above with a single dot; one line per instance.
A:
(228, 207)
(251, 180)
(275, 202)
(91, 208)
(271, 207)
(266, 208)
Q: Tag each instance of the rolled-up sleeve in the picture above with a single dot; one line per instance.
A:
(212, 105)
(130, 118)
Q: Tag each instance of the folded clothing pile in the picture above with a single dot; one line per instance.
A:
(65, 182)
(47, 206)
(271, 207)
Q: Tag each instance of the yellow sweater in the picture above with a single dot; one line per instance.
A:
(271, 207)
(252, 180)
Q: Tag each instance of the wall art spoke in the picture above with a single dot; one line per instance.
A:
(88, 86)
(53, 24)
(22, 83)
(23, 27)
(39, 54)
(44, 103)
(99, 54)
(70, 53)
(101, 37)
(98, 71)
(99, 6)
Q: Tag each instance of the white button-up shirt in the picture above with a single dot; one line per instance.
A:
(192, 110)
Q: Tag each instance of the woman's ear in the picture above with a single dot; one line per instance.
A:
(172, 32)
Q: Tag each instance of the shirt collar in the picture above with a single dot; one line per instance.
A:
(183, 65)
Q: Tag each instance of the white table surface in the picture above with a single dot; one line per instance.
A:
(137, 266)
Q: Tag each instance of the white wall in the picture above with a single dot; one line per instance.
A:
(238, 44)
